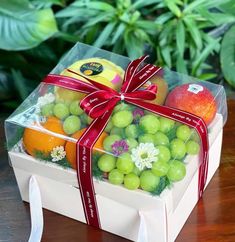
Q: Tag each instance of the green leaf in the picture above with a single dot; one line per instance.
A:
(227, 56)
(74, 12)
(164, 182)
(5, 86)
(193, 5)
(165, 34)
(210, 40)
(206, 4)
(203, 56)
(103, 17)
(166, 55)
(43, 53)
(47, 3)
(143, 3)
(181, 65)
(194, 31)
(173, 7)
(104, 35)
(134, 46)
(180, 37)
(23, 27)
(119, 31)
(96, 172)
(217, 18)
(228, 7)
(216, 3)
(207, 76)
(148, 26)
(98, 5)
(20, 84)
(119, 47)
(67, 37)
(164, 17)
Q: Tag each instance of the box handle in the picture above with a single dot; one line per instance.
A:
(142, 234)
(35, 211)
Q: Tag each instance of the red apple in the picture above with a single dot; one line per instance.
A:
(195, 99)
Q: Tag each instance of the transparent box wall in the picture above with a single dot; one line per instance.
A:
(138, 149)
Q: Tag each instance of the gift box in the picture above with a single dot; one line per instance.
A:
(129, 146)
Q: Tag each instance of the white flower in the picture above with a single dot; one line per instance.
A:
(46, 99)
(144, 155)
(58, 153)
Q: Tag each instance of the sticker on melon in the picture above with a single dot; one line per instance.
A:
(98, 70)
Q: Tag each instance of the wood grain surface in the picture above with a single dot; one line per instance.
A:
(212, 220)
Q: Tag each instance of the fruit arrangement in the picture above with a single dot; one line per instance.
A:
(138, 149)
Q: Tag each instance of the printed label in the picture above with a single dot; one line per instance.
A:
(195, 88)
(91, 68)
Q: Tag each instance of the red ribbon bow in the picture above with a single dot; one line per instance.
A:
(99, 104)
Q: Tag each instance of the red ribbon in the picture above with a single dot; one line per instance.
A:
(99, 104)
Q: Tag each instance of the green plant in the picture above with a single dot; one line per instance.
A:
(185, 42)
(227, 56)
(119, 25)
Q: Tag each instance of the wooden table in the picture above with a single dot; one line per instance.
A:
(212, 220)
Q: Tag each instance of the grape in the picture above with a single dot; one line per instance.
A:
(122, 106)
(131, 181)
(192, 147)
(150, 124)
(122, 119)
(47, 110)
(124, 163)
(166, 124)
(131, 131)
(109, 126)
(149, 181)
(116, 177)
(183, 132)
(61, 110)
(178, 148)
(164, 153)
(136, 171)
(106, 163)
(194, 136)
(75, 109)
(132, 143)
(160, 168)
(109, 140)
(89, 119)
(118, 131)
(151, 113)
(71, 124)
(177, 171)
(146, 138)
(83, 118)
(161, 139)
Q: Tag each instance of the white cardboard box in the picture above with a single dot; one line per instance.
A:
(118, 207)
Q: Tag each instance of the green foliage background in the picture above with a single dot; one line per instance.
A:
(196, 37)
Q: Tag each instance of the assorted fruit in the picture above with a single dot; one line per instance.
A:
(138, 149)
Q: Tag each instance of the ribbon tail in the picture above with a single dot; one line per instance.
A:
(84, 167)
(35, 211)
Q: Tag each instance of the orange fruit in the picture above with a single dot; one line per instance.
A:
(70, 146)
(35, 140)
